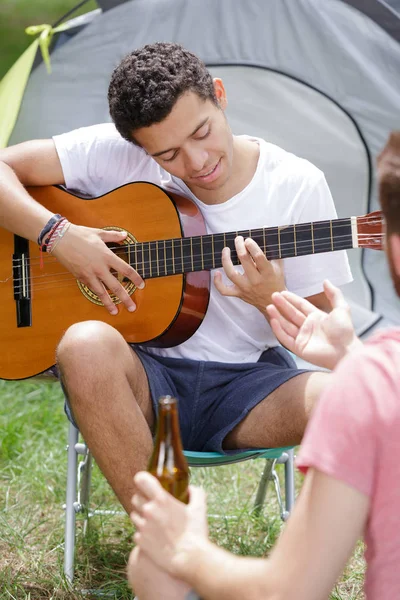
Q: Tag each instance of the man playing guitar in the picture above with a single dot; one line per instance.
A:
(237, 387)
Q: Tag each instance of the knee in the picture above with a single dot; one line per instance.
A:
(88, 343)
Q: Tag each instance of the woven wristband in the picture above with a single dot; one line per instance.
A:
(49, 225)
(57, 235)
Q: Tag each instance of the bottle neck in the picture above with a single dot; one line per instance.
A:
(168, 426)
(168, 463)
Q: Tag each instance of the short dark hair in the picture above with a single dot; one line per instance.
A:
(147, 83)
(390, 202)
(389, 182)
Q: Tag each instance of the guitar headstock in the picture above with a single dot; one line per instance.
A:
(370, 230)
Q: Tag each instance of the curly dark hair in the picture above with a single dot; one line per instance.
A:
(147, 83)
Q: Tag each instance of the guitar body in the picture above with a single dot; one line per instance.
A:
(169, 309)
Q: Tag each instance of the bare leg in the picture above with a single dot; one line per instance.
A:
(281, 418)
(150, 583)
(109, 395)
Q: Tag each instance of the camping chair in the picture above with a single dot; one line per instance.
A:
(79, 476)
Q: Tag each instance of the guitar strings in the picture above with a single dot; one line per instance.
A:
(205, 256)
(196, 260)
(300, 228)
(68, 278)
(122, 249)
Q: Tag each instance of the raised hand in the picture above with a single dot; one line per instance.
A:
(168, 531)
(84, 253)
(314, 335)
(260, 277)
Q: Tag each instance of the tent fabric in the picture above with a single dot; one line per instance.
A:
(12, 88)
(318, 77)
(13, 84)
(384, 14)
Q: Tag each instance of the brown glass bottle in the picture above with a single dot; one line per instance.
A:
(168, 463)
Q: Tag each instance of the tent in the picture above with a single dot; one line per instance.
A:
(318, 77)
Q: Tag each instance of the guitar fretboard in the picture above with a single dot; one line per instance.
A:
(174, 256)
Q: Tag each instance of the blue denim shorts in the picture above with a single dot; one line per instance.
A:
(213, 397)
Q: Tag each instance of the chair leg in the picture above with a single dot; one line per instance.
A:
(289, 482)
(269, 473)
(84, 481)
(262, 486)
(70, 512)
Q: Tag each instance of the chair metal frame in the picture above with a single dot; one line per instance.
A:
(79, 479)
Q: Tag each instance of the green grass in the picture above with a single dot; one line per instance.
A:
(32, 491)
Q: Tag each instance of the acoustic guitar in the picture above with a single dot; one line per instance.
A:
(167, 244)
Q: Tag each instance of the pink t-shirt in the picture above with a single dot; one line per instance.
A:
(354, 436)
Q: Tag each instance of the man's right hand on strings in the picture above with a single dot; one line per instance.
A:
(84, 253)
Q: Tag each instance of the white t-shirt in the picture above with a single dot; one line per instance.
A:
(285, 189)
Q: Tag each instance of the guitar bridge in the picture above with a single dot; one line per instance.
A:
(22, 282)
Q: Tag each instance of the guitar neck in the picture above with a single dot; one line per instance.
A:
(174, 256)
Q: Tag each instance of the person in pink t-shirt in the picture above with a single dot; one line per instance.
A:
(350, 454)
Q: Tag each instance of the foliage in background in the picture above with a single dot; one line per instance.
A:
(16, 15)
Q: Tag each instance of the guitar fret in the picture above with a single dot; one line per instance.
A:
(279, 242)
(191, 252)
(322, 236)
(286, 237)
(331, 235)
(202, 254)
(294, 239)
(312, 237)
(208, 253)
(218, 245)
(234, 256)
(169, 256)
(257, 236)
(183, 266)
(136, 265)
(343, 231)
(187, 257)
(271, 247)
(151, 271)
(304, 243)
(177, 255)
(165, 258)
(173, 257)
(139, 255)
(229, 241)
(158, 262)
